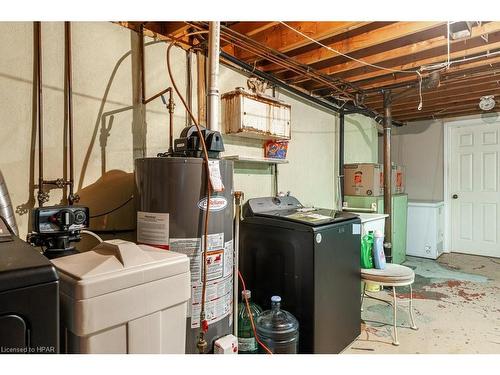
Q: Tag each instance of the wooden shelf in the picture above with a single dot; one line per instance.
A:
(252, 159)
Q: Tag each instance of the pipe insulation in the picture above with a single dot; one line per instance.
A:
(6, 210)
(213, 75)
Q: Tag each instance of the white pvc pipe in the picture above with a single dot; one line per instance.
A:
(213, 75)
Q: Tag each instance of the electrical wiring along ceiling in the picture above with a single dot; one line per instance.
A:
(430, 74)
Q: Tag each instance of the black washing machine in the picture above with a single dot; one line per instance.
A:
(311, 258)
(29, 298)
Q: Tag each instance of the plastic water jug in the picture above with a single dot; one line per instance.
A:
(278, 329)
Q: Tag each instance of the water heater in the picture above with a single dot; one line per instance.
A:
(171, 202)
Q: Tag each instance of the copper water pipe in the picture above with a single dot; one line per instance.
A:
(69, 81)
(170, 105)
(142, 63)
(42, 198)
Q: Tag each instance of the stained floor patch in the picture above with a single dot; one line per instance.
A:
(436, 271)
(456, 307)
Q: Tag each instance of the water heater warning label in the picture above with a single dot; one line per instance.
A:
(152, 229)
(219, 267)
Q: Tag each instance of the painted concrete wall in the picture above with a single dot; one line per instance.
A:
(360, 139)
(105, 78)
(419, 147)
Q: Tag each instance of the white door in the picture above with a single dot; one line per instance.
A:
(474, 189)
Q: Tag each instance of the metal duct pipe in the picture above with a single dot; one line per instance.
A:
(387, 174)
(213, 75)
(6, 210)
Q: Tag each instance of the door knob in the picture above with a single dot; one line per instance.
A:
(454, 196)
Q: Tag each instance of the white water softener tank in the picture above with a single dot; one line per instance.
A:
(171, 202)
(122, 298)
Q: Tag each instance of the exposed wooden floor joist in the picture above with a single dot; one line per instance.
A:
(394, 46)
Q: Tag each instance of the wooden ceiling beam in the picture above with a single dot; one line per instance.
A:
(406, 50)
(446, 102)
(474, 107)
(152, 32)
(358, 42)
(432, 102)
(392, 80)
(434, 116)
(282, 39)
(252, 28)
(462, 113)
(463, 91)
(169, 28)
(419, 63)
(445, 88)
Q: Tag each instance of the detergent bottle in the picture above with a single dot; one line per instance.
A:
(366, 250)
(378, 250)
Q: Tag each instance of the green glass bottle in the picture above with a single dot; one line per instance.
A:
(247, 344)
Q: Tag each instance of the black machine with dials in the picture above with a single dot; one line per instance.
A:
(29, 298)
(55, 228)
(311, 258)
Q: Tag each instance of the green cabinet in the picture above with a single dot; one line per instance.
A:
(399, 219)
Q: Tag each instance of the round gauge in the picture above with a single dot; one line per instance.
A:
(487, 102)
(80, 217)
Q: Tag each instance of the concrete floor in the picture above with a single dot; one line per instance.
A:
(456, 307)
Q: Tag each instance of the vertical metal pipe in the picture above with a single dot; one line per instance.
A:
(341, 159)
(38, 45)
(171, 107)
(6, 210)
(189, 83)
(387, 174)
(142, 63)
(201, 87)
(238, 198)
(69, 82)
(213, 75)
(275, 179)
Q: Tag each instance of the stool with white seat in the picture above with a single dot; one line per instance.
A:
(393, 275)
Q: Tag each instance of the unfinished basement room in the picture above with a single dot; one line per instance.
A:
(184, 180)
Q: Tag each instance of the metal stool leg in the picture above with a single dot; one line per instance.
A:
(395, 305)
(363, 295)
(413, 325)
